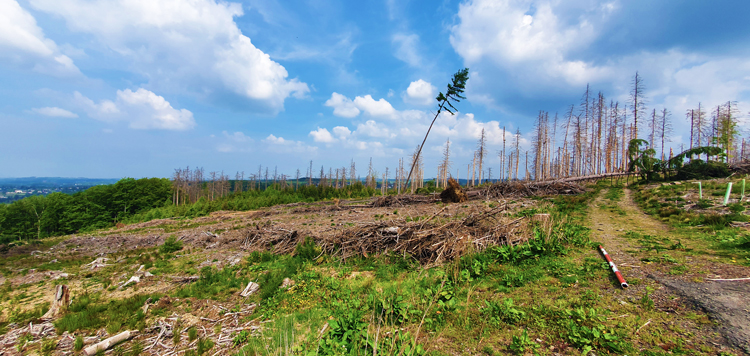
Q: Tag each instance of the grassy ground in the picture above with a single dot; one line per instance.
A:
(553, 295)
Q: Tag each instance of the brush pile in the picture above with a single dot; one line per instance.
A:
(400, 200)
(526, 189)
(426, 241)
(742, 167)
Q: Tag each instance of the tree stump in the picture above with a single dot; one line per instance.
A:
(60, 301)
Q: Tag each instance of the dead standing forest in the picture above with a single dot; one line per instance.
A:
(256, 265)
(591, 138)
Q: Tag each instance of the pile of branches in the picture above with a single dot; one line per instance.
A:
(742, 167)
(427, 242)
(280, 241)
(526, 189)
(401, 200)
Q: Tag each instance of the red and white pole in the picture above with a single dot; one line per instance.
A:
(623, 284)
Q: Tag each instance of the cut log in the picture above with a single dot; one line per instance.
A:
(108, 343)
(60, 301)
(134, 279)
(251, 288)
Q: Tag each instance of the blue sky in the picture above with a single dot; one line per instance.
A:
(138, 88)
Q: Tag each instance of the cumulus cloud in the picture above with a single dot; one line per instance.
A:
(183, 43)
(55, 112)
(345, 107)
(342, 131)
(374, 107)
(507, 35)
(24, 44)
(142, 109)
(420, 92)
(322, 135)
(342, 106)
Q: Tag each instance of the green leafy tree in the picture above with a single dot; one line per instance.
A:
(642, 160)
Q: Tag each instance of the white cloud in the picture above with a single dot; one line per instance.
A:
(529, 45)
(420, 92)
(322, 135)
(24, 44)
(280, 145)
(345, 107)
(406, 49)
(192, 44)
(379, 108)
(237, 137)
(142, 109)
(342, 106)
(55, 112)
(342, 131)
(373, 129)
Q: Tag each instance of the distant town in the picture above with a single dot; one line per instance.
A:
(12, 189)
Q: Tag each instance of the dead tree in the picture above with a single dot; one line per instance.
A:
(665, 129)
(637, 99)
(481, 152)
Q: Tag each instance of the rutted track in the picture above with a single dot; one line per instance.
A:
(726, 302)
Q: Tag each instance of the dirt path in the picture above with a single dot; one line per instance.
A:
(727, 303)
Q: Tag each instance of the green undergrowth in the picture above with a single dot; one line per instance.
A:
(91, 311)
(706, 220)
(378, 304)
(551, 294)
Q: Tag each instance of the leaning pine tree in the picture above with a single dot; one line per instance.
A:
(454, 93)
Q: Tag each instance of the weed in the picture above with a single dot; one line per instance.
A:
(213, 284)
(192, 333)
(241, 338)
(736, 207)
(521, 343)
(87, 313)
(488, 350)
(137, 348)
(646, 301)
(48, 345)
(704, 203)
(503, 312)
(307, 249)
(204, 345)
(176, 334)
(78, 343)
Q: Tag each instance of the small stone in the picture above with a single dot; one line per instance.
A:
(287, 283)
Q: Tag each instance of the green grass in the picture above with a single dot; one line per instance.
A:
(89, 312)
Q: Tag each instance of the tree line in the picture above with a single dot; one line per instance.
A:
(593, 137)
(97, 207)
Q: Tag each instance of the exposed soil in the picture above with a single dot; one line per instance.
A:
(726, 302)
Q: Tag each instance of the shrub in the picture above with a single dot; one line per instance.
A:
(307, 249)
(699, 169)
(704, 204)
(668, 211)
(736, 207)
(171, 245)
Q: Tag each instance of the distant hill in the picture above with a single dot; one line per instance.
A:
(55, 181)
